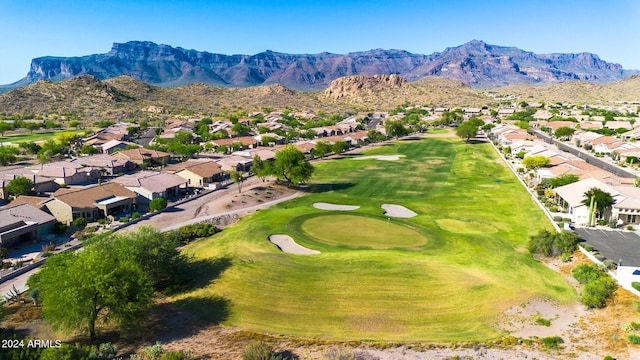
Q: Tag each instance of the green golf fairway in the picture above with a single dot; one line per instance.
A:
(444, 275)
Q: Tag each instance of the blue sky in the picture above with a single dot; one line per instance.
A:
(35, 28)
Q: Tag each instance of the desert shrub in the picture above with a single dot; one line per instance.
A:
(552, 342)
(553, 244)
(258, 351)
(157, 204)
(155, 351)
(543, 322)
(80, 223)
(634, 339)
(177, 355)
(190, 232)
(598, 286)
(338, 354)
(107, 351)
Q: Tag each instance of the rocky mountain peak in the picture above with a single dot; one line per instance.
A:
(476, 63)
(359, 85)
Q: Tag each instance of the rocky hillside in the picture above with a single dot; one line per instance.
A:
(475, 63)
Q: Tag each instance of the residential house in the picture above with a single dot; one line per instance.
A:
(111, 146)
(198, 172)
(613, 125)
(41, 184)
(67, 173)
(24, 223)
(572, 196)
(91, 203)
(142, 156)
(107, 164)
(242, 142)
(152, 184)
(235, 163)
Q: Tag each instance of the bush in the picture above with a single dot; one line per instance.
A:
(135, 215)
(258, 351)
(552, 342)
(636, 285)
(598, 286)
(154, 351)
(59, 228)
(589, 248)
(80, 223)
(634, 339)
(629, 227)
(543, 322)
(566, 257)
(553, 244)
(609, 357)
(124, 219)
(157, 204)
(194, 231)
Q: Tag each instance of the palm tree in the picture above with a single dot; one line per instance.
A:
(602, 200)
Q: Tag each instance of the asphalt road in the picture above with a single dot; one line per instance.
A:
(614, 245)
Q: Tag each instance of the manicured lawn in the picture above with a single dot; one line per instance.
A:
(352, 231)
(36, 136)
(455, 267)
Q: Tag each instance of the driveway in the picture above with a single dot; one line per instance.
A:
(615, 245)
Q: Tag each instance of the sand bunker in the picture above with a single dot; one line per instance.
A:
(380, 157)
(398, 211)
(328, 206)
(288, 245)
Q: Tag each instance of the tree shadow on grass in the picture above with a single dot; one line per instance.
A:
(191, 274)
(213, 309)
(321, 188)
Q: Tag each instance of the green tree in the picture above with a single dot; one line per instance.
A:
(563, 180)
(290, 165)
(20, 186)
(67, 138)
(375, 136)
(157, 204)
(564, 132)
(395, 128)
(339, 147)
(467, 130)
(238, 178)
(261, 168)
(322, 148)
(602, 199)
(4, 127)
(534, 162)
(80, 288)
(32, 126)
(8, 155)
(88, 150)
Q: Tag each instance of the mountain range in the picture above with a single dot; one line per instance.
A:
(475, 63)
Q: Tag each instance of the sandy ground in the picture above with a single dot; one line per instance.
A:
(217, 204)
(398, 211)
(288, 245)
(328, 206)
(380, 157)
